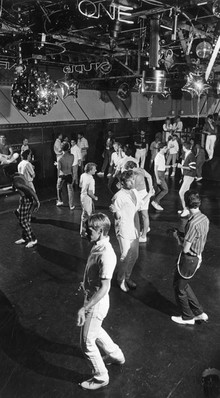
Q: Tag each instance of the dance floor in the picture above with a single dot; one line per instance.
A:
(40, 356)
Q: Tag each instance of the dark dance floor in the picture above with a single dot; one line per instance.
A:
(40, 355)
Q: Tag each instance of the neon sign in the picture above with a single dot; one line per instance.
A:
(91, 10)
(104, 67)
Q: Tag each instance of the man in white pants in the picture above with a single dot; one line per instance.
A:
(141, 149)
(188, 167)
(209, 129)
(125, 206)
(96, 285)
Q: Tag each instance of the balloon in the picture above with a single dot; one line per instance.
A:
(69, 87)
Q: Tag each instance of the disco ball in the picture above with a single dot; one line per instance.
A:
(204, 49)
(216, 8)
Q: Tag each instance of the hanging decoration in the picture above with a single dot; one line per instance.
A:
(123, 91)
(33, 92)
(204, 50)
(166, 92)
(196, 85)
(69, 87)
(216, 8)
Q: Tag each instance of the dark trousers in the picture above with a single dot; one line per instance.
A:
(185, 297)
(163, 188)
(107, 159)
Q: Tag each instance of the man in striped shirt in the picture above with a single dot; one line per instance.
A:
(192, 244)
(188, 168)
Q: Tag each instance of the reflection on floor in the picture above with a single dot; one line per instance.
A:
(40, 355)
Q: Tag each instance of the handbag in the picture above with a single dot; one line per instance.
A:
(187, 265)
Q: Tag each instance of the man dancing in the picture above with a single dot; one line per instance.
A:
(96, 285)
(190, 258)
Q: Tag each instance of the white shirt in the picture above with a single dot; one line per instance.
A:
(82, 144)
(173, 147)
(87, 183)
(178, 126)
(115, 159)
(75, 151)
(159, 161)
(58, 148)
(100, 265)
(26, 168)
(126, 204)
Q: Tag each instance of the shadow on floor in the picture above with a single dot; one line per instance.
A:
(71, 226)
(147, 293)
(62, 259)
(23, 346)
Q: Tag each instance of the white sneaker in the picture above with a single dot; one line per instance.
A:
(123, 286)
(142, 239)
(32, 243)
(181, 321)
(94, 384)
(157, 206)
(202, 317)
(185, 213)
(154, 204)
(59, 203)
(20, 241)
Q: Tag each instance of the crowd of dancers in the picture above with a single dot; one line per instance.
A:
(132, 189)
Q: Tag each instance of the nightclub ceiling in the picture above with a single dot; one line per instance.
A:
(112, 40)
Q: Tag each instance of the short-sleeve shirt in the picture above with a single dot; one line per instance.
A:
(196, 231)
(75, 151)
(26, 168)
(127, 203)
(100, 265)
(159, 161)
(87, 183)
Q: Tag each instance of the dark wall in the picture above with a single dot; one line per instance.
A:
(41, 139)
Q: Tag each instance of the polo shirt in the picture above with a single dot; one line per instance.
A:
(100, 265)
(196, 231)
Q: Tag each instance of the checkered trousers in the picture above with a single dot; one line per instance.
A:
(24, 217)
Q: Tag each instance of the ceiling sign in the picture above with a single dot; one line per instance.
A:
(104, 67)
(91, 10)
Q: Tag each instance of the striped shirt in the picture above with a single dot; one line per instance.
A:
(196, 231)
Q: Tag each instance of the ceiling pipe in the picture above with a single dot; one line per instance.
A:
(154, 42)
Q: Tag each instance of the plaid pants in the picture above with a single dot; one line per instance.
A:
(24, 218)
